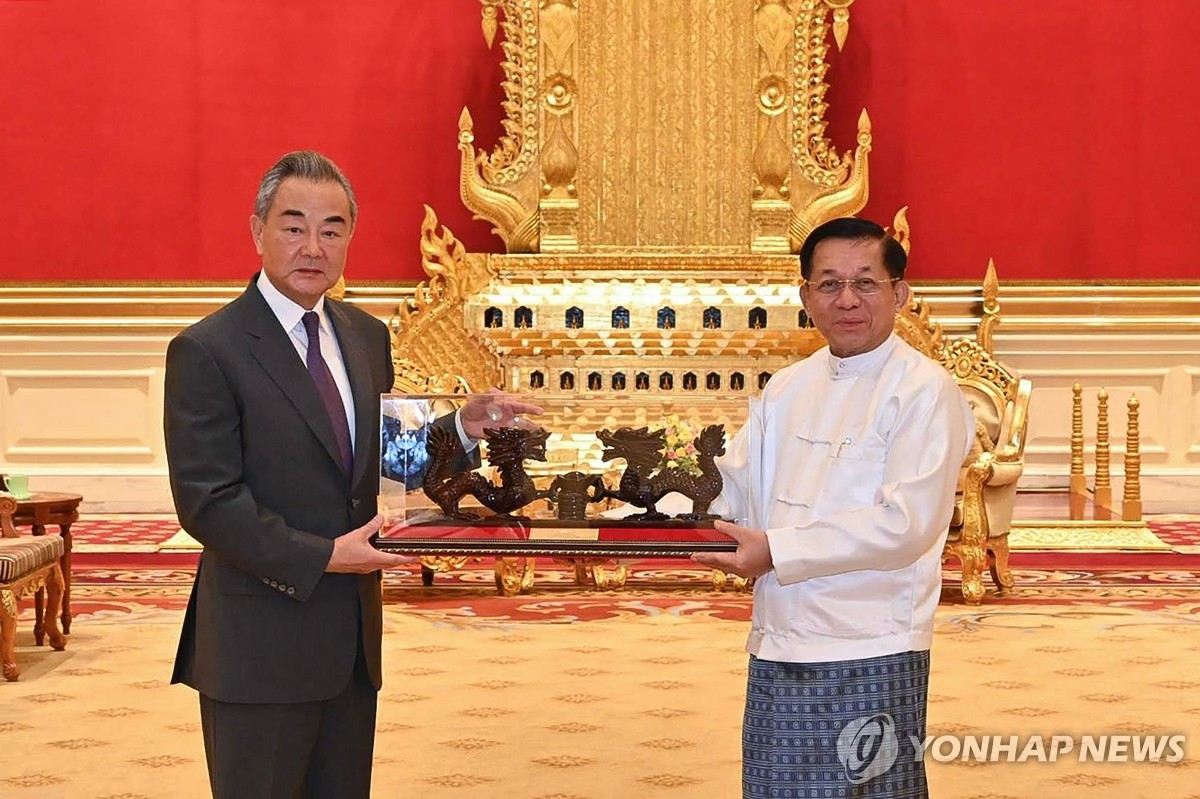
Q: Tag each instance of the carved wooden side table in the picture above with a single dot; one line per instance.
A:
(51, 507)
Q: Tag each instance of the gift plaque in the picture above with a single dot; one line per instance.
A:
(487, 474)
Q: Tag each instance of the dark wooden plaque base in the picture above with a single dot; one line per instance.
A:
(593, 538)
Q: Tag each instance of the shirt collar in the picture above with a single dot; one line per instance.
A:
(859, 364)
(287, 312)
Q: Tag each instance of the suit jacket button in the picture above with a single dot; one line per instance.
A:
(291, 590)
(266, 581)
(283, 588)
(274, 584)
(355, 504)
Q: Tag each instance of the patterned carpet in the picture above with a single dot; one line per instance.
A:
(573, 693)
(638, 706)
(118, 569)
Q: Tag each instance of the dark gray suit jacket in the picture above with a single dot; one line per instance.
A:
(257, 480)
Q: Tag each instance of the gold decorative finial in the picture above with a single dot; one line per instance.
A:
(488, 21)
(864, 128)
(991, 309)
(1078, 484)
(841, 21)
(1102, 498)
(1131, 507)
(900, 230)
(466, 127)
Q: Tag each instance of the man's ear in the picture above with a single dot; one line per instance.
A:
(902, 294)
(256, 231)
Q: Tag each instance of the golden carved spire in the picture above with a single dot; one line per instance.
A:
(1102, 499)
(900, 230)
(516, 222)
(1078, 483)
(1102, 445)
(1131, 507)
(991, 308)
(431, 351)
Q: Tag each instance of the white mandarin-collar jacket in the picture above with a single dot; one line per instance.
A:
(850, 465)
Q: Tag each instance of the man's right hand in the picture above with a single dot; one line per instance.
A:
(353, 553)
(496, 409)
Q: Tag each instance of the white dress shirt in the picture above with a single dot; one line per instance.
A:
(850, 465)
(290, 315)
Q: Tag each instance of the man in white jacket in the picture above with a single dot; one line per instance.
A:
(843, 482)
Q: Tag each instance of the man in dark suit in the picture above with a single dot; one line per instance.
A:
(271, 421)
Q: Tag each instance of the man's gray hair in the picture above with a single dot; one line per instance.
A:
(307, 165)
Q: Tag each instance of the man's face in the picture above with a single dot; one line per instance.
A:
(303, 240)
(850, 322)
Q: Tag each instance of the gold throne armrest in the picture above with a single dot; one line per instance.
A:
(999, 400)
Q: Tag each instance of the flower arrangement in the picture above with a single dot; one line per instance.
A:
(680, 450)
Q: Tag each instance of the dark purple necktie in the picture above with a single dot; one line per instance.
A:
(330, 396)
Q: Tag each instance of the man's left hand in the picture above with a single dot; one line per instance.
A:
(753, 555)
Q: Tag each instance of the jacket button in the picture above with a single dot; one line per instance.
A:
(355, 504)
(266, 581)
(291, 590)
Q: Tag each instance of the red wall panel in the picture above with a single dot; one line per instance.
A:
(1056, 137)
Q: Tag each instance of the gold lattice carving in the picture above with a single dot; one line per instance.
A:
(678, 105)
(439, 563)
(667, 125)
(966, 360)
(560, 127)
(825, 184)
(431, 350)
(503, 187)
(772, 159)
(919, 329)
(514, 213)
(971, 547)
(516, 151)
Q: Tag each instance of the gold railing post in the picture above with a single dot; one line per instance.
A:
(1102, 497)
(1131, 506)
(1078, 486)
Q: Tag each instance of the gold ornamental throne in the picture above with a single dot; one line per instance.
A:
(660, 165)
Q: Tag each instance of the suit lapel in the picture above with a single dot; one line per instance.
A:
(275, 353)
(358, 369)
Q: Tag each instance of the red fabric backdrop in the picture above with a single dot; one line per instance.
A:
(1055, 136)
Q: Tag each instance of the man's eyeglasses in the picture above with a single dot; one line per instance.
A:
(862, 286)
